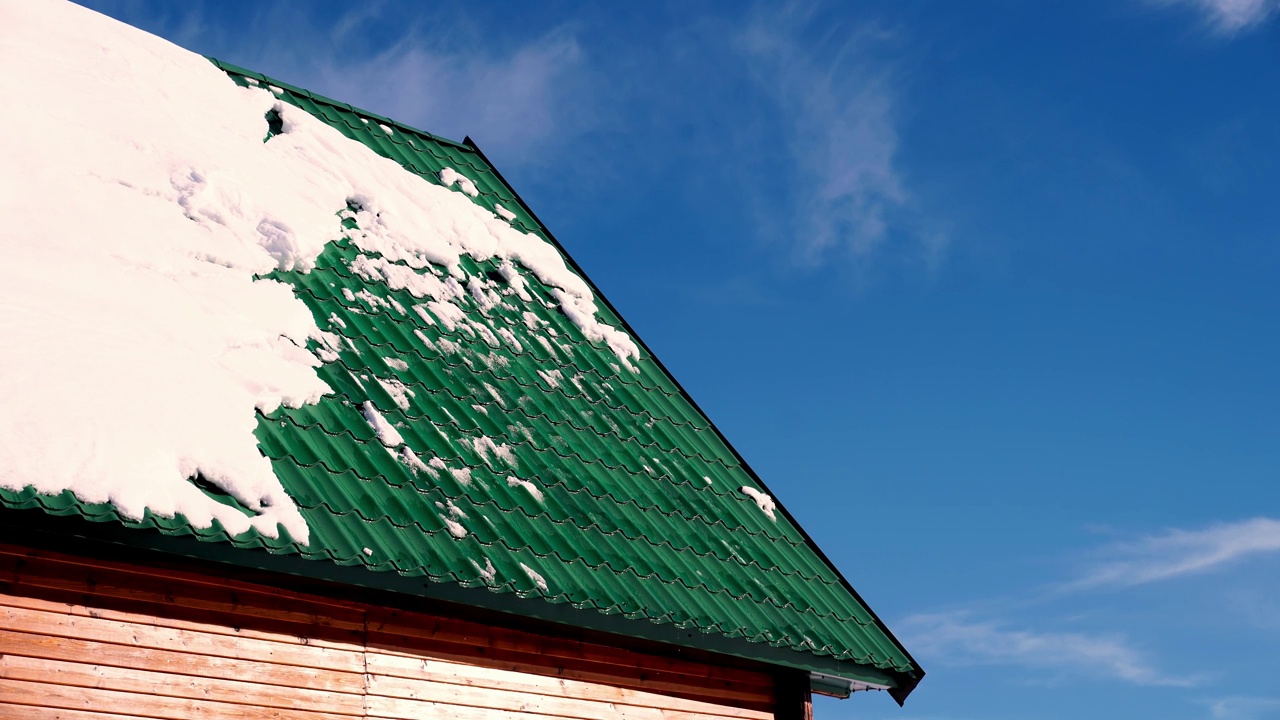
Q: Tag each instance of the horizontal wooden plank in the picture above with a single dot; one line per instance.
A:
(177, 663)
(631, 677)
(385, 669)
(22, 692)
(515, 700)
(385, 708)
(283, 651)
(179, 569)
(144, 682)
(209, 622)
(394, 623)
(44, 572)
(33, 712)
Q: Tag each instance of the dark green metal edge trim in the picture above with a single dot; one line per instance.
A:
(904, 683)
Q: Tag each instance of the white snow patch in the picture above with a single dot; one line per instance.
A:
(485, 446)
(763, 501)
(398, 391)
(396, 363)
(517, 283)
(187, 345)
(425, 340)
(367, 551)
(483, 293)
(448, 314)
(531, 321)
(486, 334)
(533, 489)
(449, 176)
(704, 477)
(454, 527)
(537, 579)
(334, 319)
(480, 409)
(411, 459)
(511, 339)
(462, 475)
(504, 213)
(494, 392)
(422, 312)
(454, 511)
(488, 573)
(385, 430)
(551, 377)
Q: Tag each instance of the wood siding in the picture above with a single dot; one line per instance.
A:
(86, 639)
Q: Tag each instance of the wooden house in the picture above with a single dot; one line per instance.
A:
(554, 529)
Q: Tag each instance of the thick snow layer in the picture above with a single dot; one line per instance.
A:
(141, 203)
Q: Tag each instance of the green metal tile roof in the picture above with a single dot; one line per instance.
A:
(641, 516)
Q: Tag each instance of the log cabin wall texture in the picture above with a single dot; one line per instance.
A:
(84, 639)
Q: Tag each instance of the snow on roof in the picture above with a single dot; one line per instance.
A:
(143, 202)
(763, 500)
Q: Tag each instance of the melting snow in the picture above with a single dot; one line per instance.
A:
(415, 463)
(485, 446)
(487, 572)
(533, 489)
(449, 176)
(454, 527)
(763, 501)
(454, 511)
(551, 377)
(510, 337)
(398, 391)
(396, 363)
(494, 392)
(504, 213)
(385, 430)
(537, 579)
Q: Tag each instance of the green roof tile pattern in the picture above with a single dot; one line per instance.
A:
(543, 469)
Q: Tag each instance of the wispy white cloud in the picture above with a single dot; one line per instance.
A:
(1175, 553)
(1227, 17)
(513, 103)
(956, 640)
(522, 100)
(1245, 708)
(838, 105)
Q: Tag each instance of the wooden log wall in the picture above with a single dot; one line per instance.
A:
(85, 639)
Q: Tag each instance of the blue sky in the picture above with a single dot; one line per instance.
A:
(986, 292)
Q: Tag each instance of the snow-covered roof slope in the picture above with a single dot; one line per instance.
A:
(267, 319)
(143, 205)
